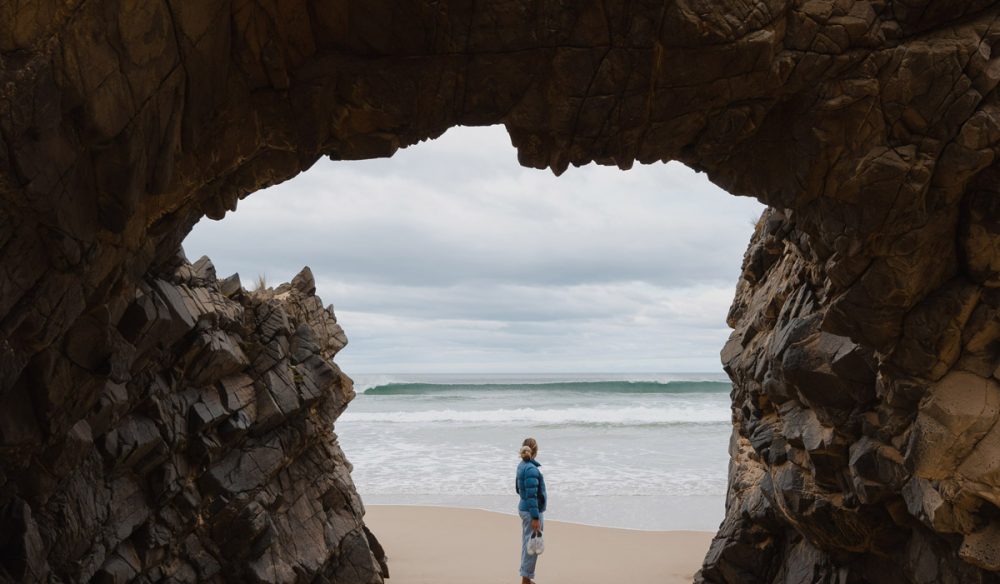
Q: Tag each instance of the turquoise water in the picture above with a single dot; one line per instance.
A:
(636, 451)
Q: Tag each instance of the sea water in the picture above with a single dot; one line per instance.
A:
(634, 451)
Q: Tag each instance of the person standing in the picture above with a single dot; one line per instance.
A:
(530, 485)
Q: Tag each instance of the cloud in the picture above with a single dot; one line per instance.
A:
(450, 257)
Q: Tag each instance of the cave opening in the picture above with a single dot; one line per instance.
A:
(486, 302)
(139, 440)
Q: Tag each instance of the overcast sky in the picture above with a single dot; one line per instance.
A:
(449, 257)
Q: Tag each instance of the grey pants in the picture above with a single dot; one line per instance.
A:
(528, 561)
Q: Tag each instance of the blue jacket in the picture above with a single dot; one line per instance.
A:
(531, 486)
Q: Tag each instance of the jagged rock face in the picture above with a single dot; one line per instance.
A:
(866, 338)
(211, 457)
(845, 470)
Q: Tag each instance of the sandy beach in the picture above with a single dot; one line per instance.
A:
(442, 545)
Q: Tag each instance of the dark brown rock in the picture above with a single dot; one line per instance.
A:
(178, 472)
(869, 127)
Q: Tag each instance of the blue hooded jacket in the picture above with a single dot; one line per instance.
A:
(531, 486)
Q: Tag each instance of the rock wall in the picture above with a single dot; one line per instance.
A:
(844, 470)
(866, 333)
(205, 454)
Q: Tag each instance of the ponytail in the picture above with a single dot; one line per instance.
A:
(529, 448)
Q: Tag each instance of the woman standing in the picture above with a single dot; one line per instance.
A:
(531, 487)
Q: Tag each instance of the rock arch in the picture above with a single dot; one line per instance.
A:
(865, 340)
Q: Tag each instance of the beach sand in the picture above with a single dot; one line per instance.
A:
(443, 545)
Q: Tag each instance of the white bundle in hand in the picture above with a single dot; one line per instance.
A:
(536, 544)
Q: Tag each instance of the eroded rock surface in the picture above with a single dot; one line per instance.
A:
(865, 318)
(845, 470)
(206, 453)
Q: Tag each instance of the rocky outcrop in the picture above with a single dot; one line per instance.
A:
(205, 454)
(843, 469)
(865, 323)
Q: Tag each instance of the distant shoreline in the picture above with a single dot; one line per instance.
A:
(366, 381)
(647, 514)
(513, 513)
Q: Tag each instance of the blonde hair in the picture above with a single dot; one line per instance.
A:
(529, 448)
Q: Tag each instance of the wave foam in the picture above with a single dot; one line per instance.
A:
(628, 416)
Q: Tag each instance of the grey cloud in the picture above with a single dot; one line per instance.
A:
(367, 221)
(386, 344)
(698, 305)
(449, 256)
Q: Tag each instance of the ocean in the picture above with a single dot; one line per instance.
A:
(645, 451)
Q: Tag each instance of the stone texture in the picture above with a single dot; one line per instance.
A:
(190, 469)
(866, 309)
(876, 466)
